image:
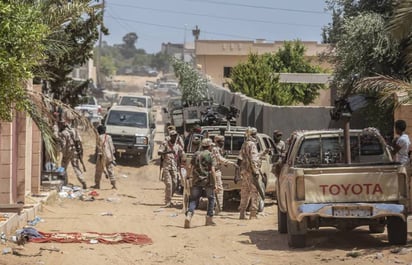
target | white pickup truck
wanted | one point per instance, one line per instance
(317, 188)
(90, 109)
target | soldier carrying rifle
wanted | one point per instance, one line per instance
(72, 149)
(172, 158)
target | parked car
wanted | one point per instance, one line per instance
(90, 109)
(132, 130)
(318, 188)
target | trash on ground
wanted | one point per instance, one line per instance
(106, 214)
(35, 221)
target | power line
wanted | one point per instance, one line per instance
(219, 17)
(180, 28)
(261, 7)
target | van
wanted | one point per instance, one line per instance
(132, 130)
(138, 101)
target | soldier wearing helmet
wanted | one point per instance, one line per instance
(203, 179)
(179, 139)
(218, 155)
(249, 163)
(71, 147)
(172, 158)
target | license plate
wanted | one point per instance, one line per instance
(121, 150)
(352, 211)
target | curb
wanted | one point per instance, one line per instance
(29, 212)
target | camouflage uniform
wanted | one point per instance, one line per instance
(203, 174)
(249, 167)
(281, 151)
(105, 159)
(172, 154)
(70, 154)
(217, 154)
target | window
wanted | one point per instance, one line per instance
(227, 71)
(127, 118)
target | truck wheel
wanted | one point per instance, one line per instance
(397, 231)
(376, 228)
(282, 222)
(296, 233)
(145, 159)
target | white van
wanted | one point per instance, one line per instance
(132, 130)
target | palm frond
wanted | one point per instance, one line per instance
(401, 22)
(387, 88)
(41, 111)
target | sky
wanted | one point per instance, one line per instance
(162, 21)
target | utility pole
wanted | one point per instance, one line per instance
(98, 55)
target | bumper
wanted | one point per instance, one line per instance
(130, 150)
(351, 210)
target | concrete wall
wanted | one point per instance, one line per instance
(266, 118)
(20, 158)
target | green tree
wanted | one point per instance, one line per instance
(192, 85)
(259, 76)
(22, 47)
(128, 48)
(362, 47)
(75, 30)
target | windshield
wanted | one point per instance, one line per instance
(133, 101)
(321, 150)
(127, 118)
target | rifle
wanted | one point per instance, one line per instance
(161, 168)
(80, 156)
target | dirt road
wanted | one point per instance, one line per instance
(136, 208)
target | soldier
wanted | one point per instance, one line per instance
(179, 139)
(249, 163)
(71, 147)
(172, 158)
(105, 159)
(203, 178)
(281, 151)
(217, 152)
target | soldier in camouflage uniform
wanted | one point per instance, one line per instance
(203, 178)
(218, 155)
(249, 163)
(172, 158)
(71, 148)
(105, 159)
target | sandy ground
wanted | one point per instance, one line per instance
(136, 208)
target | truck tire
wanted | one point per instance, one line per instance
(145, 159)
(282, 222)
(296, 233)
(397, 231)
(376, 228)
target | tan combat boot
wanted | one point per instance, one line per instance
(188, 219)
(113, 182)
(209, 221)
(242, 215)
(253, 215)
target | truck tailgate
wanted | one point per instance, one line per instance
(348, 184)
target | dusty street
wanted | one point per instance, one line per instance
(136, 208)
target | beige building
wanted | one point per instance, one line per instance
(217, 57)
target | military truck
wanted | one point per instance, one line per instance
(234, 138)
(317, 187)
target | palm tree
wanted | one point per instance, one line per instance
(400, 28)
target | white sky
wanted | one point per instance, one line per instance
(161, 21)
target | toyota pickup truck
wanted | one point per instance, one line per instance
(90, 109)
(318, 188)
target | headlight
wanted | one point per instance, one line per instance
(141, 140)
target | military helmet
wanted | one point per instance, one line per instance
(251, 131)
(219, 138)
(196, 140)
(206, 142)
(171, 127)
